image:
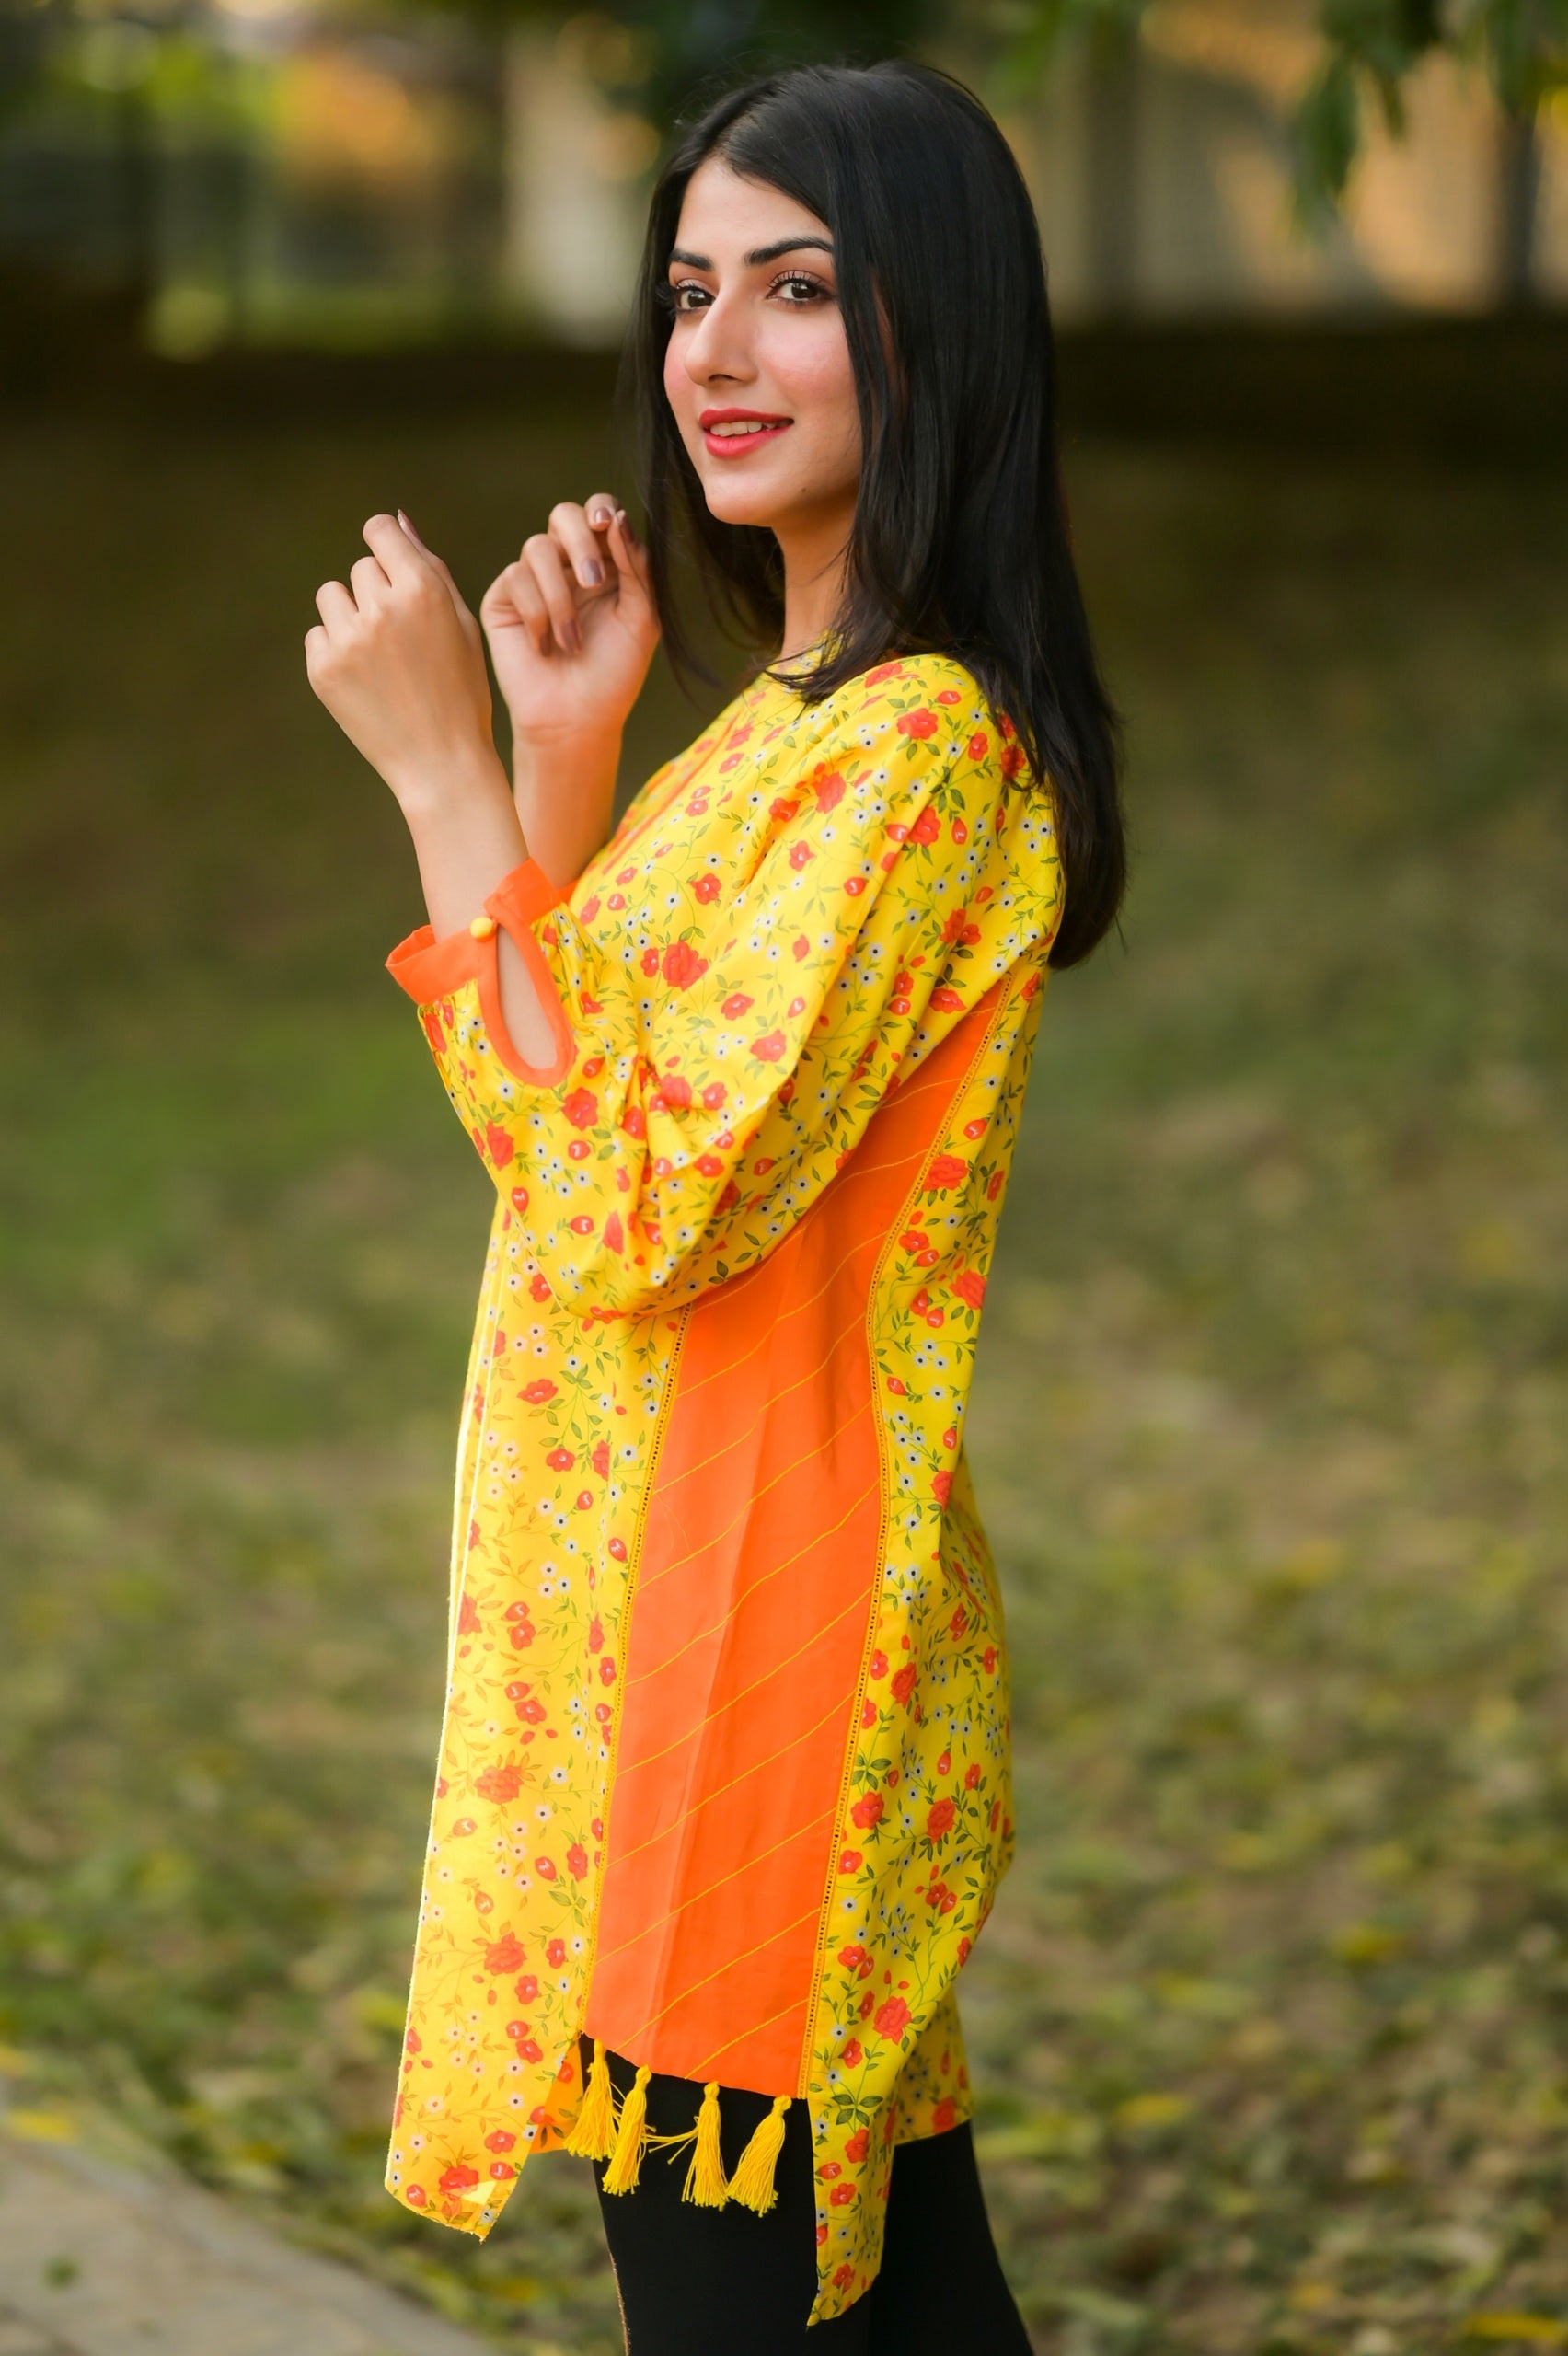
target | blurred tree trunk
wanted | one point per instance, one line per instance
(1112, 192)
(1518, 190)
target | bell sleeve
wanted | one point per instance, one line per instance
(719, 1050)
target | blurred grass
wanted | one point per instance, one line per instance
(1269, 2026)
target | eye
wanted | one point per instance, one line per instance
(684, 295)
(797, 289)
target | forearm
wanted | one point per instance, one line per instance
(565, 800)
(467, 838)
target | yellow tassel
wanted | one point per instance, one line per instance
(752, 2183)
(705, 2182)
(593, 2136)
(632, 2135)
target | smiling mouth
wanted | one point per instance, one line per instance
(728, 432)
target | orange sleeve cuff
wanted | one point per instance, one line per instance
(429, 969)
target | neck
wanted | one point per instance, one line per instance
(813, 550)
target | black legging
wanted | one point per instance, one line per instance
(727, 2282)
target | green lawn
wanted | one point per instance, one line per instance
(1271, 2024)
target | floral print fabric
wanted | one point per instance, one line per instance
(785, 925)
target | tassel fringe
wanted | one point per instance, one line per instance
(705, 2182)
(752, 2184)
(631, 2136)
(593, 2135)
(622, 2139)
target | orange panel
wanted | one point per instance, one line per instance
(749, 1626)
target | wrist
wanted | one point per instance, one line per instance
(432, 789)
(567, 754)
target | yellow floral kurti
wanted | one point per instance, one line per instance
(723, 1773)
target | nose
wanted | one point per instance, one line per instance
(716, 350)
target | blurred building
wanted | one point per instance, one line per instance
(304, 170)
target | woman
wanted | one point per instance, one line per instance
(723, 1783)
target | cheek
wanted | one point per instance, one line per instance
(810, 365)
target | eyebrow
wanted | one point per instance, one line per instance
(759, 254)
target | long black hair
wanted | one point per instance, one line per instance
(960, 540)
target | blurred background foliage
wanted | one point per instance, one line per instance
(1269, 2027)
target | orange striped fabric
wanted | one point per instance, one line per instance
(750, 1622)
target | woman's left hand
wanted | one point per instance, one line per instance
(398, 661)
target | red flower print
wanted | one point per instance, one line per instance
(577, 1861)
(651, 963)
(947, 1170)
(926, 828)
(709, 1165)
(958, 1623)
(904, 1681)
(617, 1548)
(988, 1660)
(560, 1460)
(433, 1030)
(801, 854)
(501, 2140)
(498, 1145)
(949, 695)
(600, 1460)
(538, 1287)
(675, 1090)
(683, 965)
(614, 1234)
(582, 1108)
(736, 1004)
(867, 1811)
(589, 908)
(1012, 761)
(555, 1954)
(946, 1000)
(970, 1287)
(501, 2173)
(468, 1621)
(877, 1666)
(596, 1635)
(944, 2116)
(972, 1777)
(944, 1763)
(939, 1818)
(921, 724)
(853, 2055)
(859, 2142)
(581, 1224)
(607, 1671)
(857, 1960)
(502, 1783)
(416, 2196)
(520, 1199)
(855, 885)
(961, 835)
(633, 1122)
(979, 745)
(706, 889)
(885, 671)
(840, 2198)
(891, 2019)
(535, 1393)
(828, 787)
(584, 1499)
(850, 1861)
(769, 1047)
(504, 1954)
(527, 1990)
(941, 1488)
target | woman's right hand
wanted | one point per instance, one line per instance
(572, 628)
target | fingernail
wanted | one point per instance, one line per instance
(590, 572)
(601, 519)
(571, 638)
(410, 526)
(623, 520)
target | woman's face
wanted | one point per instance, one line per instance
(758, 368)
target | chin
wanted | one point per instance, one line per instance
(741, 502)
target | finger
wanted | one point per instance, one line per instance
(512, 601)
(601, 509)
(439, 567)
(574, 535)
(543, 559)
(335, 606)
(397, 554)
(368, 581)
(630, 556)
